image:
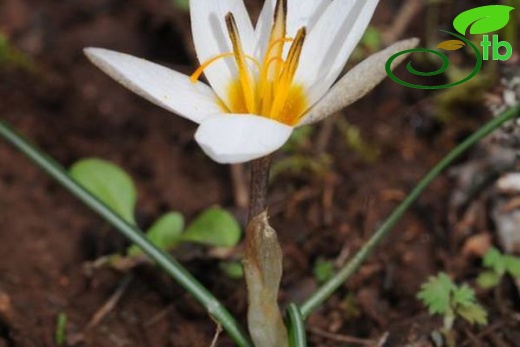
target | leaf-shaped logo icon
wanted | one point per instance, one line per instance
(483, 20)
(451, 45)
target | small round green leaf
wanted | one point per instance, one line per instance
(483, 19)
(372, 38)
(495, 260)
(109, 183)
(323, 270)
(165, 233)
(232, 269)
(214, 227)
(182, 4)
(488, 279)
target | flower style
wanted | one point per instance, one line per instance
(265, 80)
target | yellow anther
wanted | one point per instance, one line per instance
(293, 58)
(283, 83)
(273, 44)
(248, 87)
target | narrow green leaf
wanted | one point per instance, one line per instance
(296, 326)
(483, 20)
(4, 49)
(165, 233)
(326, 290)
(60, 336)
(214, 227)
(109, 183)
(172, 267)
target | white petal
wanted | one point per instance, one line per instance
(158, 84)
(300, 13)
(263, 27)
(331, 42)
(357, 82)
(211, 38)
(304, 13)
(237, 138)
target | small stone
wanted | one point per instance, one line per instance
(509, 183)
(477, 245)
(5, 304)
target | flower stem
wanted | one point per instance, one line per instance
(259, 182)
(344, 273)
(163, 259)
(263, 265)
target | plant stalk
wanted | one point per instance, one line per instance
(260, 169)
(263, 265)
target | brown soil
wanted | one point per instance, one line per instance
(72, 111)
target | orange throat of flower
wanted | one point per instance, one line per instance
(269, 90)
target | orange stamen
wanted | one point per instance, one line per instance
(196, 75)
(289, 70)
(243, 70)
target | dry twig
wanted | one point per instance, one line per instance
(407, 13)
(110, 304)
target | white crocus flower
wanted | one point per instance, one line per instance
(265, 81)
